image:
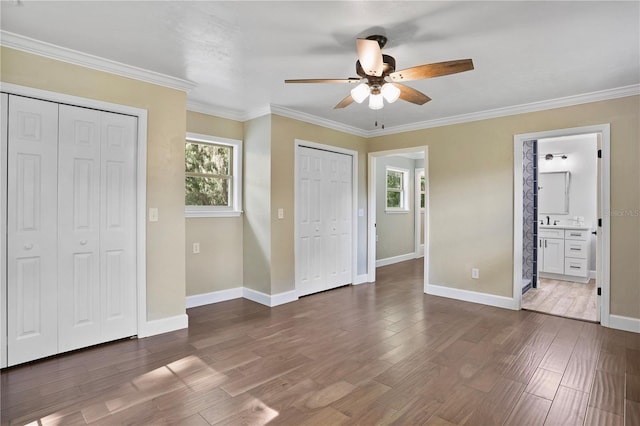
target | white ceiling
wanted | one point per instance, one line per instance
(238, 53)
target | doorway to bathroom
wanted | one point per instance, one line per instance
(563, 187)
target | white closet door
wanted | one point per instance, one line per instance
(309, 256)
(324, 215)
(32, 288)
(79, 231)
(337, 201)
(117, 226)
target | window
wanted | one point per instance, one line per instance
(397, 190)
(213, 176)
(422, 191)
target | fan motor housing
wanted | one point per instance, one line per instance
(389, 66)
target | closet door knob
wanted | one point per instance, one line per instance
(28, 246)
(83, 242)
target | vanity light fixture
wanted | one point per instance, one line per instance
(552, 156)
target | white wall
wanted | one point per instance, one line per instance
(582, 163)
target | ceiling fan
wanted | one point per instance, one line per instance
(379, 79)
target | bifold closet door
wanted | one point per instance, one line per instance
(324, 212)
(71, 248)
(96, 213)
(32, 227)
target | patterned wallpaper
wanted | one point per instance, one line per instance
(530, 212)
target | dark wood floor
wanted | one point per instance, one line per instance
(370, 354)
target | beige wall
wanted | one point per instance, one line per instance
(218, 266)
(257, 204)
(395, 231)
(284, 132)
(471, 200)
(165, 159)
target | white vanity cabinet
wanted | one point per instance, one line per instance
(563, 253)
(551, 250)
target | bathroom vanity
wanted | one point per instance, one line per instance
(563, 252)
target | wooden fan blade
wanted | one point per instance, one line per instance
(412, 95)
(325, 80)
(370, 56)
(432, 70)
(344, 103)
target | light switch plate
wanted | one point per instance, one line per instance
(153, 214)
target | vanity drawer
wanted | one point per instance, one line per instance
(572, 234)
(550, 233)
(575, 267)
(575, 249)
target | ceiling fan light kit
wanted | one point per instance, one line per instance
(360, 92)
(379, 79)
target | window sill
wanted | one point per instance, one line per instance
(212, 213)
(398, 211)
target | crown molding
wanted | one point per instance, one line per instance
(229, 114)
(313, 119)
(602, 95)
(41, 48)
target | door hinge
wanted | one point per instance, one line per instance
(600, 222)
(599, 291)
(599, 153)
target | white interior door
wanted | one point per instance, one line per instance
(324, 220)
(78, 227)
(309, 255)
(71, 239)
(337, 211)
(118, 227)
(32, 288)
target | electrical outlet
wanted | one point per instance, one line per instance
(475, 273)
(280, 213)
(376, 238)
(196, 248)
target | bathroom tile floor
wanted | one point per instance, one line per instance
(564, 298)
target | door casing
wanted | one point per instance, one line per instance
(603, 271)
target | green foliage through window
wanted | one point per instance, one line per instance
(395, 189)
(208, 174)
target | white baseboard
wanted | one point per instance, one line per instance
(395, 259)
(471, 296)
(267, 299)
(163, 325)
(213, 297)
(620, 322)
(361, 279)
(282, 298)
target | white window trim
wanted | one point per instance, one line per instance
(406, 208)
(236, 196)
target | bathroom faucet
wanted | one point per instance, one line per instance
(548, 223)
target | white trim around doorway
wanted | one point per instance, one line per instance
(371, 222)
(143, 326)
(603, 275)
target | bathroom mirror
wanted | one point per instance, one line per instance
(553, 193)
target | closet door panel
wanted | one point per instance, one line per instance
(79, 232)
(117, 224)
(32, 288)
(345, 219)
(309, 259)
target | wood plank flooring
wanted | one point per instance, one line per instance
(564, 298)
(366, 355)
